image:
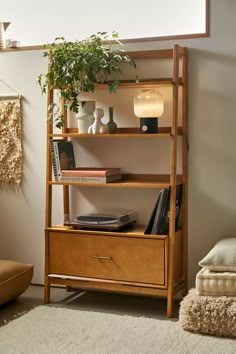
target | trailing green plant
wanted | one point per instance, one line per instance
(78, 66)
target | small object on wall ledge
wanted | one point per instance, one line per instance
(10, 139)
(12, 43)
(3, 28)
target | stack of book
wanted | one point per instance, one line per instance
(65, 170)
(92, 175)
(158, 223)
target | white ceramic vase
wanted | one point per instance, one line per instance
(98, 127)
(85, 116)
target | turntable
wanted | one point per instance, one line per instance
(109, 220)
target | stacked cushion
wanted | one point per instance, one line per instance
(211, 307)
(218, 275)
(216, 283)
(222, 257)
(15, 278)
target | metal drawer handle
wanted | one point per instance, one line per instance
(103, 257)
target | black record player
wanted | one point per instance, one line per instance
(110, 220)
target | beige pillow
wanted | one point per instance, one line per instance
(222, 256)
(15, 277)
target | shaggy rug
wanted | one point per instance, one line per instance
(49, 330)
(208, 314)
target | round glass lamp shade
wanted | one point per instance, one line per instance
(148, 103)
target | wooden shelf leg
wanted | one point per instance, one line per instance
(47, 291)
(170, 303)
(184, 292)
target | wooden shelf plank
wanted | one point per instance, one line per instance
(121, 133)
(152, 54)
(128, 181)
(136, 230)
(141, 83)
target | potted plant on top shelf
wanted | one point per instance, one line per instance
(76, 67)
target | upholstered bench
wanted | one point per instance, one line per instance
(15, 277)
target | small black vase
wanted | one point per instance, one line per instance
(112, 126)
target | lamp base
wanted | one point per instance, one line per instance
(148, 125)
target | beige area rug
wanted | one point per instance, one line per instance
(47, 329)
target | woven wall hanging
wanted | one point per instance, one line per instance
(10, 139)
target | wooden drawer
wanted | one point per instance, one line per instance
(107, 257)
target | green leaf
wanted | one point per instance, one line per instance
(76, 67)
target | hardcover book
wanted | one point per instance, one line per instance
(91, 179)
(62, 155)
(91, 171)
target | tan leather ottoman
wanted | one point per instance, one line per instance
(15, 277)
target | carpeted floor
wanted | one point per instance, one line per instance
(50, 329)
(88, 301)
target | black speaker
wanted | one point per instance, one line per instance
(148, 125)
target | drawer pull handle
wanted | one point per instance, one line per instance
(103, 257)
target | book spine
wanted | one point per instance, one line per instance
(55, 167)
(57, 158)
(90, 179)
(83, 179)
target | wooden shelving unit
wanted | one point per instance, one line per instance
(116, 261)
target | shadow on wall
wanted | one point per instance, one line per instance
(212, 154)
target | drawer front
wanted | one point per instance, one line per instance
(108, 257)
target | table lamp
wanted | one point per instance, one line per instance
(148, 106)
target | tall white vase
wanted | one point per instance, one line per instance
(3, 27)
(85, 116)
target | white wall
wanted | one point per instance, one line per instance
(42, 21)
(212, 162)
(22, 208)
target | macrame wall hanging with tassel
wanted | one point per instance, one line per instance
(10, 139)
